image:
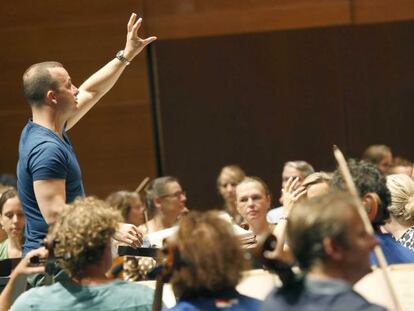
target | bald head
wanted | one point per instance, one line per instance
(37, 80)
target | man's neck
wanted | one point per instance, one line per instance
(48, 119)
(329, 273)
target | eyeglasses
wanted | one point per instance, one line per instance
(176, 195)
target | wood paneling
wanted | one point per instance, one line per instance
(172, 19)
(376, 11)
(262, 99)
(114, 142)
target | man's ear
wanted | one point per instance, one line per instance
(333, 250)
(371, 203)
(50, 97)
(157, 202)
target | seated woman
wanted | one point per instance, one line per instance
(166, 202)
(131, 268)
(401, 224)
(253, 202)
(129, 204)
(227, 181)
(211, 262)
(12, 221)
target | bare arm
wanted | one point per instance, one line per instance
(104, 79)
(21, 271)
(51, 197)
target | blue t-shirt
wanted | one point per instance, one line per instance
(43, 155)
(115, 295)
(229, 301)
(393, 251)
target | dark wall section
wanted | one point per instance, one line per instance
(262, 99)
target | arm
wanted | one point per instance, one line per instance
(104, 79)
(290, 196)
(21, 271)
(51, 197)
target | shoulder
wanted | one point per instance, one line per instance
(142, 293)
(31, 299)
(355, 301)
(3, 249)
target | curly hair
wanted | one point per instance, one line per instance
(401, 187)
(82, 232)
(311, 221)
(212, 256)
(367, 178)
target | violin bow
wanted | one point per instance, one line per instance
(144, 183)
(343, 168)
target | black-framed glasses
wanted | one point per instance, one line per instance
(176, 195)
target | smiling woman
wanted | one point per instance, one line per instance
(12, 220)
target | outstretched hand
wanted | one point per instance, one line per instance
(134, 44)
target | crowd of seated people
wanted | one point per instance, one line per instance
(318, 229)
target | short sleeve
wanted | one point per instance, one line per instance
(48, 161)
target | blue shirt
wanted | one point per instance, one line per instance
(393, 251)
(319, 295)
(115, 295)
(43, 155)
(225, 301)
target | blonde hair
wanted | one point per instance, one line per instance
(236, 172)
(82, 233)
(401, 187)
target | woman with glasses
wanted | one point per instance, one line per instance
(166, 202)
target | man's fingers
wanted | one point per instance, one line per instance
(137, 24)
(131, 21)
(149, 40)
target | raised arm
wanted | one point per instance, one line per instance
(104, 79)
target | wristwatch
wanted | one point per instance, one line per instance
(120, 56)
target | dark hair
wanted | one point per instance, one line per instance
(8, 194)
(368, 178)
(37, 80)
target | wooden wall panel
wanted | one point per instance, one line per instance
(171, 19)
(262, 99)
(256, 100)
(376, 11)
(114, 142)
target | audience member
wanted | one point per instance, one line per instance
(166, 202)
(82, 237)
(331, 246)
(293, 170)
(48, 172)
(253, 202)
(210, 262)
(12, 222)
(380, 156)
(372, 188)
(401, 224)
(130, 205)
(401, 166)
(316, 184)
(230, 176)
(131, 268)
